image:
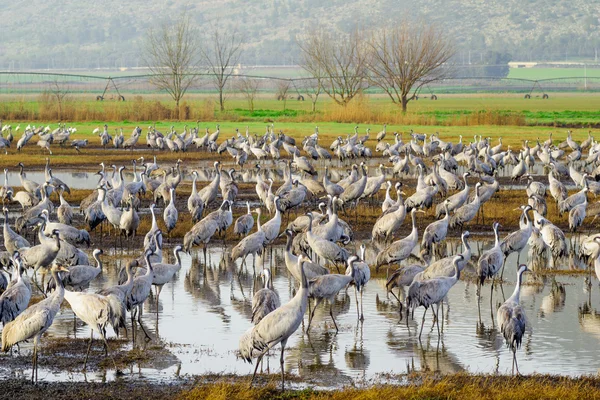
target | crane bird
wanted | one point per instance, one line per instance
(142, 285)
(467, 212)
(244, 224)
(324, 248)
(35, 321)
(326, 287)
(15, 299)
(400, 249)
(170, 213)
(491, 260)
(362, 274)
(516, 241)
(431, 292)
(276, 327)
(436, 231)
(512, 320)
(195, 204)
(95, 310)
(265, 300)
(252, 244)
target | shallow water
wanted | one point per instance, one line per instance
(206, 309)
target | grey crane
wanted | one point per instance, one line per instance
(388, 224)
(324, 248)
(436, 231)
(326, 287)
(15, 299)
(359, 269)
(153, 230)
(491, 260)
(79, 277)
(445, 266)
(400, 249)
(272, 227)
(431, 292)
(43, 254)
(512, 319)
(170, 214)
(374, 184)
(553, 237)
(400, 278)
(130, 220)
(195, 204)
(112, 213)
(64, 211)
(163, 273)
(142, 285)
(311, 269)
(95, 310)
(577, 215)
(251, 244)
(275, 328)
(244, 224)
(34, 321)
(117, 298)
(265, 300)
(209, 193)
(355, 190)
(578, 198)
(455, 201)
(516, 241)
(467, 212)
(201, 233)
(332, 189)
(29, 185)
(12, 240)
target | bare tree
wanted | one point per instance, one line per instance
(283, 87)
(221, 56)
(249, 87)
(405, 57)
(339, 61)
(59, 92)
(312, 87)
(171, 53)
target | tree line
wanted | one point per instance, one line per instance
(399, 60)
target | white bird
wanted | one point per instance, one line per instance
(35, 321)
(265, 300)
(275, 328)
(95, 310)
(512, 320)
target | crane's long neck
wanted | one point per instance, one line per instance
(248, 207)
(496, 237)
(258, 222)
(194, 191)
(154, 225)
(59, 293)
(178, 257)
(516, 293)
(466, 248)
(98, 262)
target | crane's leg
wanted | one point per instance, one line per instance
(258, 361)
(356, 298)
(281, 360)
(312, 315)
(333, 318)
(139, 318)
(87, 354)
(362, 315)
(34, 361)
(108, 354)
(422, 323)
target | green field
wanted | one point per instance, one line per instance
(552, 73)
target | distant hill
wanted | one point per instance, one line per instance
(109, 33)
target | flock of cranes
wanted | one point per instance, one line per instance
(320, 238)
